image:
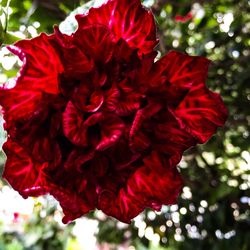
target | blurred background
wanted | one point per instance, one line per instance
(213, 209)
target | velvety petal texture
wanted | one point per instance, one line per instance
(95, 121)
(125, 19)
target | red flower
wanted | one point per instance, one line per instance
(95, 122)
(185, 18)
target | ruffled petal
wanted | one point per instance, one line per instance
(29, 178)
(47, 150)
(73, 205)
(96, 41)
(77, 158)
(129, 99)
(122, 157)
(73, 192)
(100, 130)
(128, 104)
(19, 105)
(182, 70)
(87, 100)
(201, 112)
(104, 130)
(111, 99)
(169, 138)
(175, 74)
(138, 141)
(73, 127)
(124, 53)
(23, 174)
(38, 77)
(112, 128)
(41, 65)
(75, 61)
(151, 185)
(126, 19)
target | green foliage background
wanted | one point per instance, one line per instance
(213, 210)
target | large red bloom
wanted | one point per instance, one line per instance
(95, 122)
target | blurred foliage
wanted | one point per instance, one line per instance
(213, 209)
(38, 232)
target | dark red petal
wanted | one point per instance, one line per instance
(122, 156)
(98, 78)
(26, 132)
(93, 119)
(170, 139)
(181, 69)
(111, 99)
(174, 74)
(126, 19)
(140, 142)
(73, 205)
(96, 41)
(128, 104)
(100, 165)
(109, 131)
(22, 173)
(68, 188)
(129, 99)
(19, 104)
(75, 191)
(55, 125)
(86, 99)
(74, 60)
(41, 65)
(77, 158)
(112, 128)
(151, 185)
(141, 116)
(47, 150)
(29, 179)
(123, 52)
(95, 102)
(73, 128)
(201, 112)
